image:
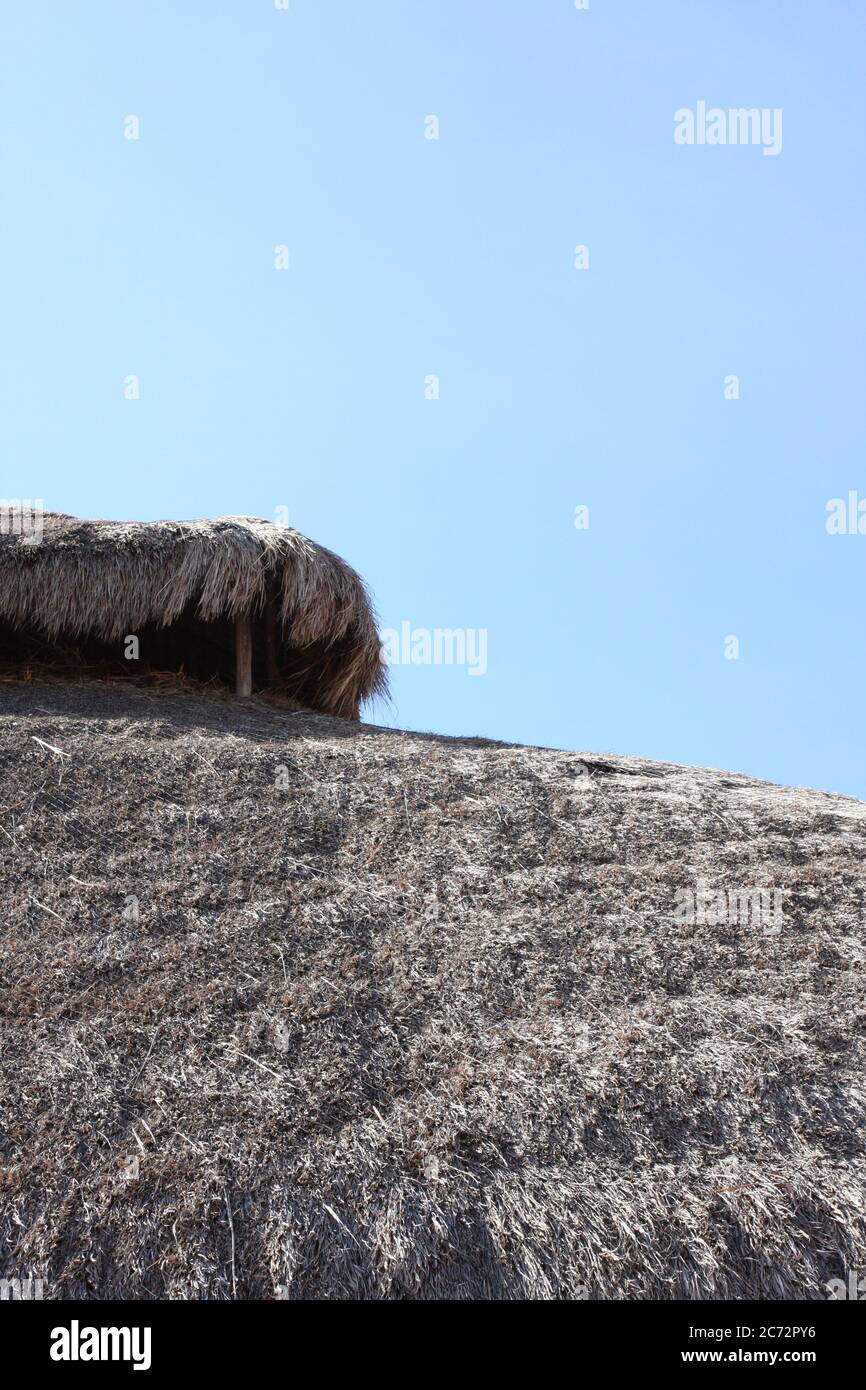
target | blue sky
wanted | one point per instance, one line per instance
(410, 257)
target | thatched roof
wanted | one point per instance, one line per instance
(404, 1016)
(111, 578)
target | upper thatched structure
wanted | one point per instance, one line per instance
(107, 579)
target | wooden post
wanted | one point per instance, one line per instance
(243, 655)
(273, 665)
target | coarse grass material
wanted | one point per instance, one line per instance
(295, 1007)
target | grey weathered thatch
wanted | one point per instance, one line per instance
(107, 579)
(294, 1007)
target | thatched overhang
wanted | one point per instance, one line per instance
(231, 600)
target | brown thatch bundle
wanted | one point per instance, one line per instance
(294, 1007)
(182, 586)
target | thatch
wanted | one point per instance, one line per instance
(407, 1017)
(108, 579)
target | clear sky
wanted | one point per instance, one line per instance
(409, 257)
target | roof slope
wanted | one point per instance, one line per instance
(404, 1016)
(110, 578)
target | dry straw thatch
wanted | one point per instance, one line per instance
(108, 579)
(410, 1017)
